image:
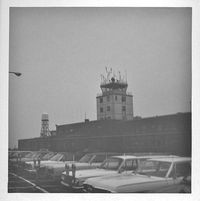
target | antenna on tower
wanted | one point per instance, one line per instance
(114, 75)
(119, 76)
(108, 74)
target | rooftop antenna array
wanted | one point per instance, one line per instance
(110, 74)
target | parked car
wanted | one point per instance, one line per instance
(113, 165)
(30, 165)
(19, 156)
(38, 165)
(161, 175)
(33, 156)
(13, 155)
(88, 161)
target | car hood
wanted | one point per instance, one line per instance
(26, 159)
(97, 172)
(62, 164)
(55, 165)
(60, 167)
(46, 163)
(118, 183)
(41, 162)
(80, 166)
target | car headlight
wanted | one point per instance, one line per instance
(88, 188)
(78, 182)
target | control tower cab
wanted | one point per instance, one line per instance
(114, 102)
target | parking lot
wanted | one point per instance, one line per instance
(98, 173)
(19, 182)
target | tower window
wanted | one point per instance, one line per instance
(101, 109)
(108, 98)
(123, 108)
(101, 100)
(123, 98)
(108, 108)
(115, 97)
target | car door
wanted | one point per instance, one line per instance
(178, 172)
(182, 170)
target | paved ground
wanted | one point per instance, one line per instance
(20, 181)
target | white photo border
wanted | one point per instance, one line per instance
(4, 63)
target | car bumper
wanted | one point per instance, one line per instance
(72, 187)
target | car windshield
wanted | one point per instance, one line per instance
(29, 155)
(23, 154)
(155, 168)
(48, 156)
(86, 158)
(37, 154)
(57, 157)
(111, 164)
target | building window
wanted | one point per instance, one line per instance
(123, 98)
(108, 108)
(108, 98)
(101, 100)
(101, 109)
(123, 108)
(116, 98)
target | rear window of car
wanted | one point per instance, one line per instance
(111, 164)
(48, 156)
(57, 157)
(86, 158)
(99, 158)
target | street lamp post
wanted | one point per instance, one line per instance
(16, 73)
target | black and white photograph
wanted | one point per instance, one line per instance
(100, 100)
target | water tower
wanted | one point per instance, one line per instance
(45, 125)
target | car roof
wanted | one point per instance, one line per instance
(102, 153)
(139, 157)
(172, 159)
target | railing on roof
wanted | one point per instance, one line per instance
(114, 92)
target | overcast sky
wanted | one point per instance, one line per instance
(61, 53)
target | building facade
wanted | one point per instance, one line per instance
(169, 134)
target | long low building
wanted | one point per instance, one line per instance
(168, 133)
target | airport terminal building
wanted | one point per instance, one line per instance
(168, 133)
(116, 129)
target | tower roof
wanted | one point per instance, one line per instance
(114, 84)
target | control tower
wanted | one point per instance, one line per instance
(114, 102)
